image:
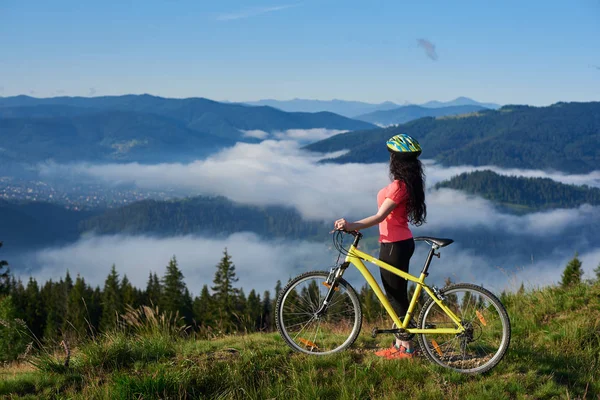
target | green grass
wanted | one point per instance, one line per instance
(554, 353)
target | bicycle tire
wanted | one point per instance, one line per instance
(286, 318)
(480, 322)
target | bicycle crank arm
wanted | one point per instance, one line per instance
(377, 331)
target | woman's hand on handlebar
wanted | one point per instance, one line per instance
(343, 225)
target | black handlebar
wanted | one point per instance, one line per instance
(353, 233)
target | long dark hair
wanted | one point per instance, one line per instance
(409, 170)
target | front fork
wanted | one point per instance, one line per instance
(335, 274)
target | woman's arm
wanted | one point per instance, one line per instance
(386, 208)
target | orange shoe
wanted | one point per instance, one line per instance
(401, 353)
(387, 352)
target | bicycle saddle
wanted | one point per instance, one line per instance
(438, 241)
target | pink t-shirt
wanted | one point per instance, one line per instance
(395, 227)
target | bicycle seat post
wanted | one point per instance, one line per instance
(432, 253)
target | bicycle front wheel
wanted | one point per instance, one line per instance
(308, 332)
(487, 329)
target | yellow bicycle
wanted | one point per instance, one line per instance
(463, 327)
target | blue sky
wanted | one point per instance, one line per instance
(534, 52)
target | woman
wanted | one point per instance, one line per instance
(400, 202)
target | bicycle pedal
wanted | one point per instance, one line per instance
(374, 332)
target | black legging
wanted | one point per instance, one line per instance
(398, 255)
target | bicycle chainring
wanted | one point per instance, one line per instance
(404, 336)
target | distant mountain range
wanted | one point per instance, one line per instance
(139, 127)
(342, 107)
(563, 137)
(353, 109)
(408, 113)
(460, 101)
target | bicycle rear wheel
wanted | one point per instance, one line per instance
(487, 330)
(305, 331)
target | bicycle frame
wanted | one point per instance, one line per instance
(355, 258)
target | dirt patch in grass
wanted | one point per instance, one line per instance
(15, 368)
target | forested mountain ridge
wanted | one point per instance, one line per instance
(103, 136)
(531, 194)
(346, 108)
(408, 113)
(353, 109)
(563, 137)
(459, 101)
(214, 215)
(35, 224)
(221, 119)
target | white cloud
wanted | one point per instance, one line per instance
(449, 208)
(305, 136)
(438, 173)
(269, 173)
(256, 133)
(279, 173)
(252, 12)
(500, 274)
(259, 264)
(300, 136)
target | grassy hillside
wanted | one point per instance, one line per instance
(563, 137)
(555, 353)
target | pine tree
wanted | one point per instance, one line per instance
(224, 292)
(204, 308)
(34, 311)
(3, 276)
(94, 309)
(253, 311)
(67, 284)
(267, 315)
(175, 296)
(240, 309)
(54, 309)
(277, 289)
(153, 290)
(128, 293)
(76, 316)
(597, 272)
(13, 338)
(572, 273)
(112, 303)
(188, 309)
(17, 293)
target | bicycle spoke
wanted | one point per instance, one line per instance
(485, 330)
(309, 321)
(335, 328)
